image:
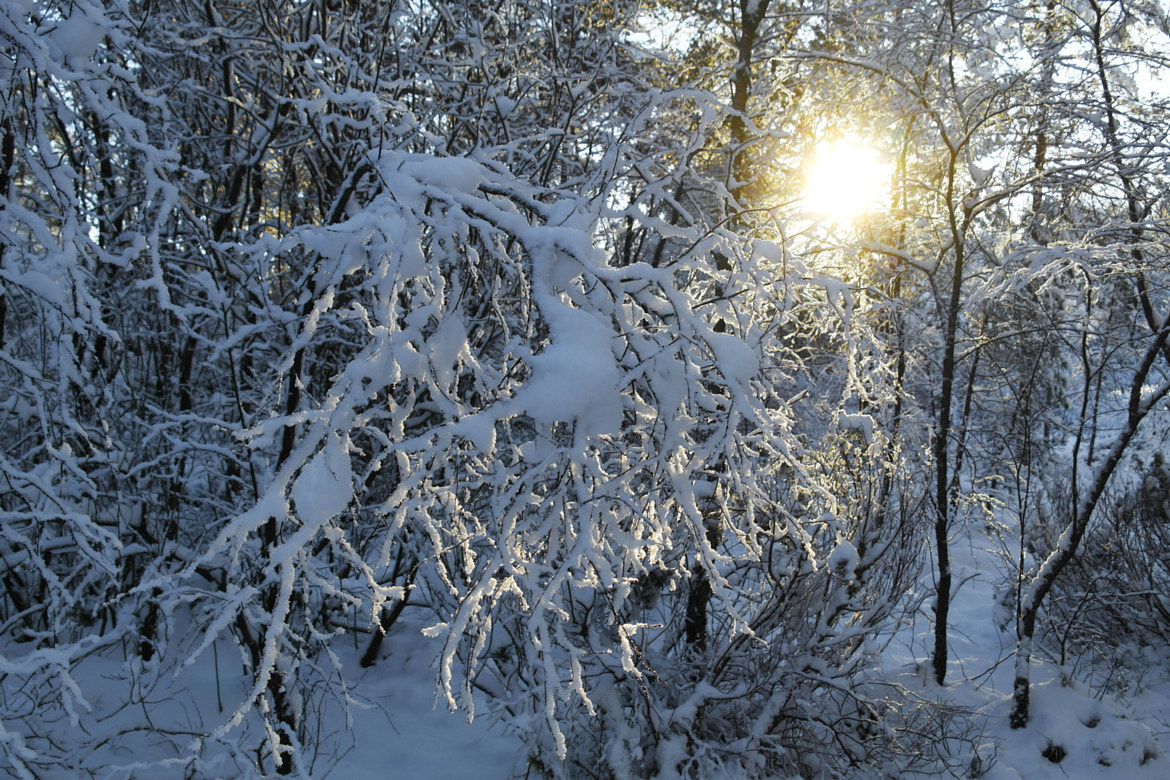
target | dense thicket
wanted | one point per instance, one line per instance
(507, 314)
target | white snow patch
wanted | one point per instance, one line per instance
(737, 362)
(505, 105)
(862, 423)
(450, 174)
(844, 560)
(78, 35)
(324, 486)
(576, 378)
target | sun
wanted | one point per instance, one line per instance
(844, 181)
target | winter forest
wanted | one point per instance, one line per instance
(711, 388)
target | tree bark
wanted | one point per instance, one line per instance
(941, 449)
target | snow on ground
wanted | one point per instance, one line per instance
(410, 735)
(1075, 732)
(395, 730)
(404, 732)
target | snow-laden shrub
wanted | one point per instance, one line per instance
(815, 567)
(1109, 617)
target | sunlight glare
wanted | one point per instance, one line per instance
(846, 180)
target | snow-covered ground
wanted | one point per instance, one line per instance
(411, 735)
(398, 729)
(1076, 732)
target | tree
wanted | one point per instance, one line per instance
(1121, 222)
(83, 186)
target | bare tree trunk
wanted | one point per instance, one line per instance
(942, 436)
(8, 156)
(751, 17)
